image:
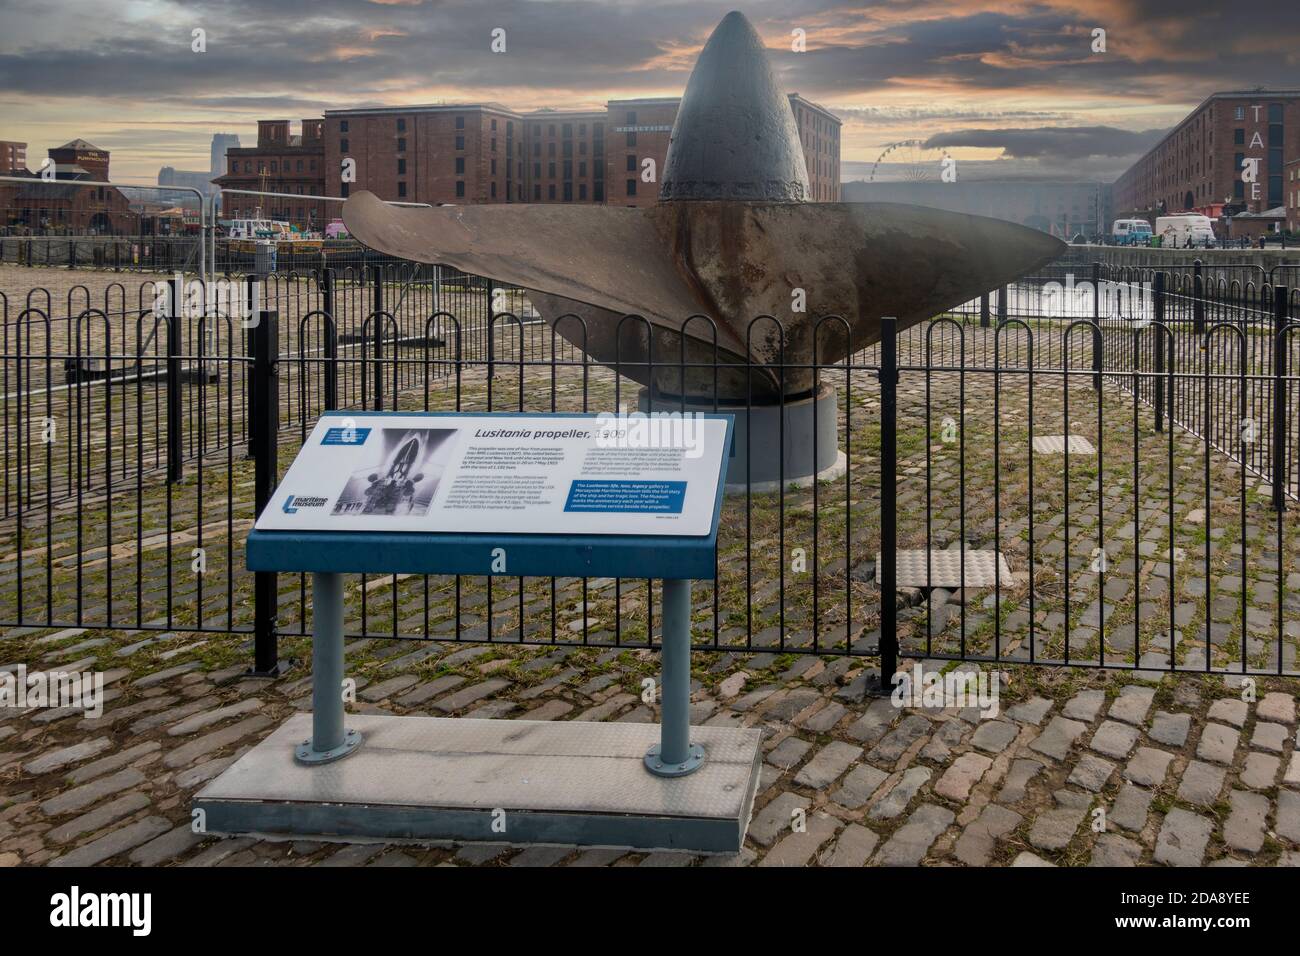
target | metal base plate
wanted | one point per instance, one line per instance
(502, 781)
(693, 762)
(304, 753)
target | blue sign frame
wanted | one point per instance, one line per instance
(672, 557)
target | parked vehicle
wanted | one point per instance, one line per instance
(1185, 230)
(1131, 232)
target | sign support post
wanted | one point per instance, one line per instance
(330, 740)
(675, 755)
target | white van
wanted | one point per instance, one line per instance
(1131, 232)
(1185, 230)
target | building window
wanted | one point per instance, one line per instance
(631, 118)
(460, 122)
(550, 149)
(313, 165)
(537, 148)
(494, 126)
(401, 144)
(460, 187)
(300, 165)
(567, 130)
(631, 162)
(537, 170)
(401, 126)
(631, 139)
(273, 166)
(401, 190)
(494, 167)
(401, 167)
(550, 170)
(343, 146)
(568, 147)
(494, 190)
(537, 192)
(550, 191)
(550, 130)
(568, 169)
(460, 165)
(1239, 113)
(568, 192)
(343, 126)
(631, 187)
(460, 142)
(1239, 136)
(598, 192)
(582, 147)
(582, 191)
(582, 170)
(344, 189)
(494, 144)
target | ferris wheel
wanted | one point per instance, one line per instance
(910, 161)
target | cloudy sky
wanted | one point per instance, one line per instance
(1010, 87)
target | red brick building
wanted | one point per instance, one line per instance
(73, 203)
(639, 130)
(483, 153)
(819, 131)
(565, 157)
(279, 163)
(13, 158)
(1200, 161)
(433, 154)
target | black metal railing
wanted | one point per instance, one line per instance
(140, 447)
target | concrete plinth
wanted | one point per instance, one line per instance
(756, 457)
(463, 779)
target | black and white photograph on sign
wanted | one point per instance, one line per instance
(401, 479)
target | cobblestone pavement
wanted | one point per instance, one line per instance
(1184, 771)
